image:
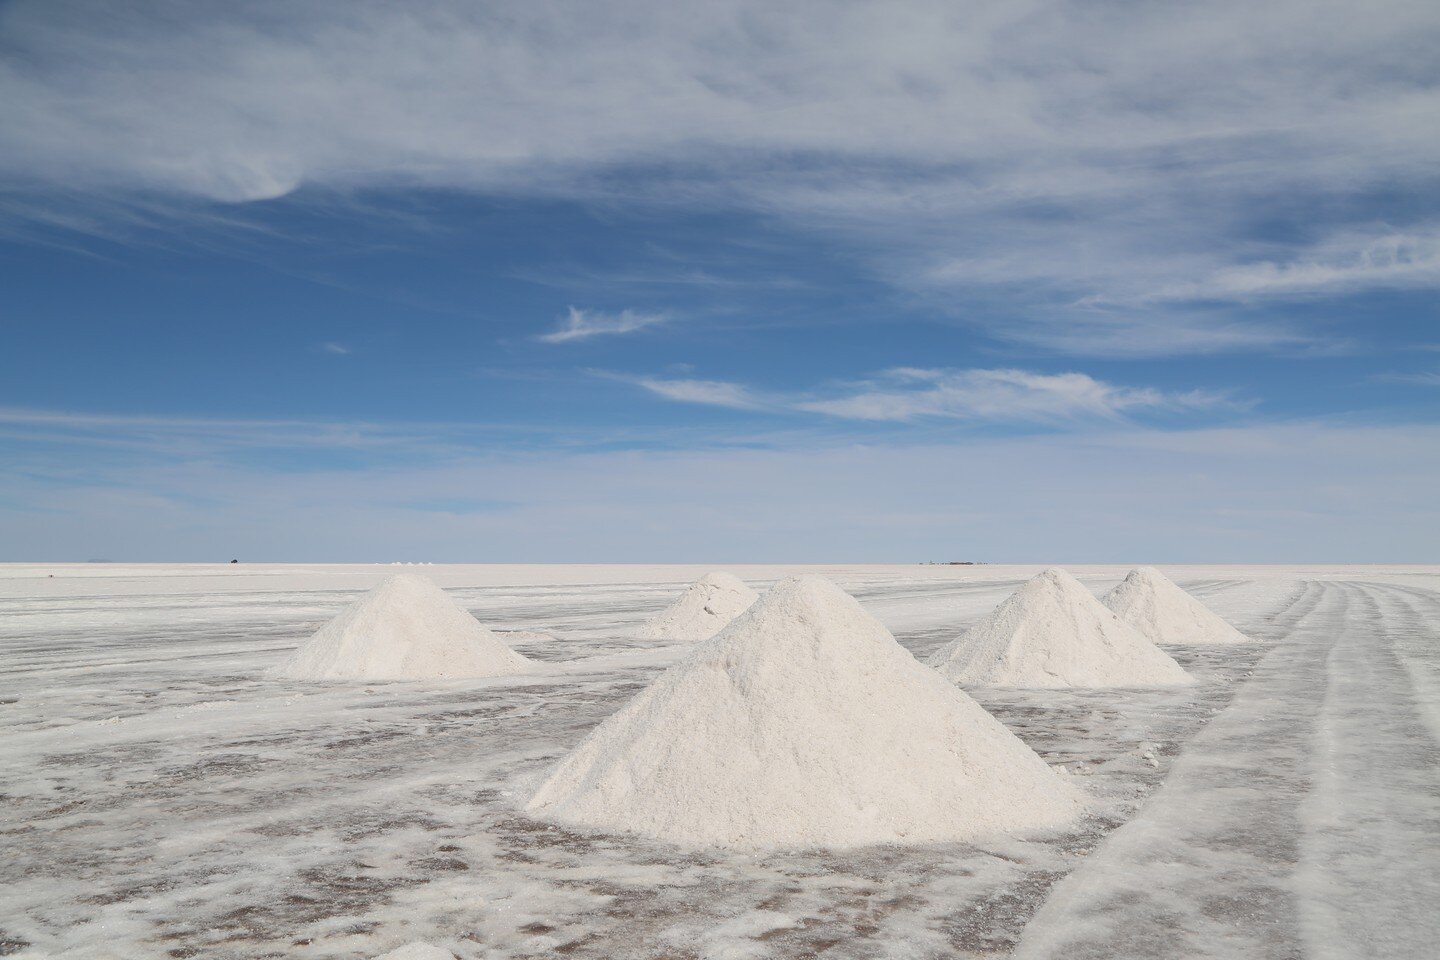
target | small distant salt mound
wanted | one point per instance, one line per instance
(419, 950)
(404, 629)
(804, 724)
(705, 608)
(1151, 603)
(1052, 632)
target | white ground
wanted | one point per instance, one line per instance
(157, 798)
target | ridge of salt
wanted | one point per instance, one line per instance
(705, 608)
(404, 628)
(1156, 606)
(1053, 633)
(802, 724)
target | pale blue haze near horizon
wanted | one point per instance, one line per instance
(722, 282)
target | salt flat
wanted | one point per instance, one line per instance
(161, 799)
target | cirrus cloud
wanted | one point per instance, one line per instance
(906, 394)
(584, 324)
(1072, 167)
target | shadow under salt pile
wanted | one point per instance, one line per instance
(1053, 633)
(804, 724)
(406, 628)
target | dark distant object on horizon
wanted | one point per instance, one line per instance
(234, 561)
(954, 563)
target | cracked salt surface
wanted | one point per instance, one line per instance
(160, 800)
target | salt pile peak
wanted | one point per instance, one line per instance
(406, 628)
(703, 610)
(804, 724)
(1052, 632)
(1153, 604)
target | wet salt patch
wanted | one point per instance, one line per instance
(333, 825)
(745, 936)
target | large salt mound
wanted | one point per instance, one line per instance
(1151, 603)
(804, 724)
(705, 608)
(404, 629)
(1052, 632)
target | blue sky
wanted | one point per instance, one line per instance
(547, 281)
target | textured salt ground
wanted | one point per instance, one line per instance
(169, 804)
(1304, 822)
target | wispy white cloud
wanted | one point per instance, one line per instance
(216, 434)
(1000, 395)
(1127, 334)
(338, 349)
(712, 393)
(1426, 378)
(583, 324)
(1340, 264)
(908, 394)
(250, 105)
(1033, 155)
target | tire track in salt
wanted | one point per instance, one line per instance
(1206, 588)
(1418, 646)
(1369, 877)
(1206, 869)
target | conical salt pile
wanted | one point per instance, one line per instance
(705, 608)
(804, 724)
(1151, 603)
(404, 629)
(1052, 632)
